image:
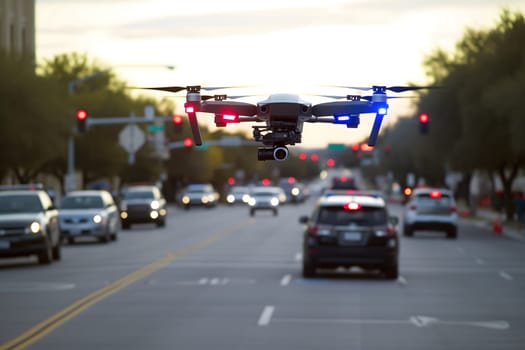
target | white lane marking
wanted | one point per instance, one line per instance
(266, 316)
(203, 281)
(225, 281)
(18, 287)
(214, 281)
(480, 261)
(402, 281)
(506, 276)
(417, 321)
(298, 257)
(286, 280)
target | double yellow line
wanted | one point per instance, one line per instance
(47, 326)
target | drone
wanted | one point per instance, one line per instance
(283, 115)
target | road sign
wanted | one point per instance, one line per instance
(131, 138)
(155, 127)
(336, 146)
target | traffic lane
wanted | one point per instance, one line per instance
(255, 234)
(32, 293)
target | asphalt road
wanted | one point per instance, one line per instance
(218, 279)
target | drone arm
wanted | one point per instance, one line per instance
(225, 107)
(342, 107)
(192, 117)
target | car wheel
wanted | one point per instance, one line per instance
(126, 225)
(70, 240)
(186, 207)
(275, 213)
(46, 256)
(114, 236)
(57, 254)
(161, 223)
(252, 212)
(308, 269)
(452, 233)
(408, 231)
(392, 270)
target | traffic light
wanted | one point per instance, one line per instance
(423, 123)
(177, 123)
(188, 142)
(81, 120)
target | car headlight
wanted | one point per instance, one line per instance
(97, 219)
(35, 227)
(274, 201)
(252, 202)
(154, 214)
(186, 200)
(124, 215)
(205, 199)
(155, 205)
(245, 198)
(230, 198)
(295, 191)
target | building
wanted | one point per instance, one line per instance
(17, 27)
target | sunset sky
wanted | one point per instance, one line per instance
(284, 45)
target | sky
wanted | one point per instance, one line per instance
(290, 46)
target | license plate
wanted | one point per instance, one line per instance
(352, 236)
(5, 244)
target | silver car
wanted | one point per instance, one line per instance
(88, 213)
(265, 198)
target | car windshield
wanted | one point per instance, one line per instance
(342, 217)
(82, 202)
(138, 195)
(29, 203)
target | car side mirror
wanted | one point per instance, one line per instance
(304, 219)
(394, 220)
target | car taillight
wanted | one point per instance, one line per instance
(453, 209)
(312, 229)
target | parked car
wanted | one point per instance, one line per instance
(199, 194)
(350, 230)
(142, 204)
(88, 213)
(29, 225)
(265, 198)
(431, 209)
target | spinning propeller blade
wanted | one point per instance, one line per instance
(390, 88)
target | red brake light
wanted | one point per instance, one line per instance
(435, 194)
(352, 206)
(81, 114)
(312, 230)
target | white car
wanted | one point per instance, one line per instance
(432, 209)
(88, 213)
(265, 198)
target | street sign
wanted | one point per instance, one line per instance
(336, 146)
(155, 128)
(131, 138)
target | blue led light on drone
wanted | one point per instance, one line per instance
(382, 110)
(342, 119)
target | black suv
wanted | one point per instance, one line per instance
(348, 230)
(29, 225)
(142, 204)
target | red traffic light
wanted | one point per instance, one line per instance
(177, 119)
(355, 147)
(314, 157)
(82, 114)
(330, 162)
(423, 118)
(188, 142)
(231, 181)
(303, 156)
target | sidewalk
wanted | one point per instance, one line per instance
(488, 218)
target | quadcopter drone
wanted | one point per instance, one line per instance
(284, 115)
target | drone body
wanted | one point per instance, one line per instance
(283, 115)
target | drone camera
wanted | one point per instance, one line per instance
(279, 153)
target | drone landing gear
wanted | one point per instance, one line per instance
(279, 153)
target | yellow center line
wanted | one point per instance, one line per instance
(50, 324)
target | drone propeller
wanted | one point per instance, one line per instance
(390, 88)
(191, 88)
(222, 97)
(357, 97)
